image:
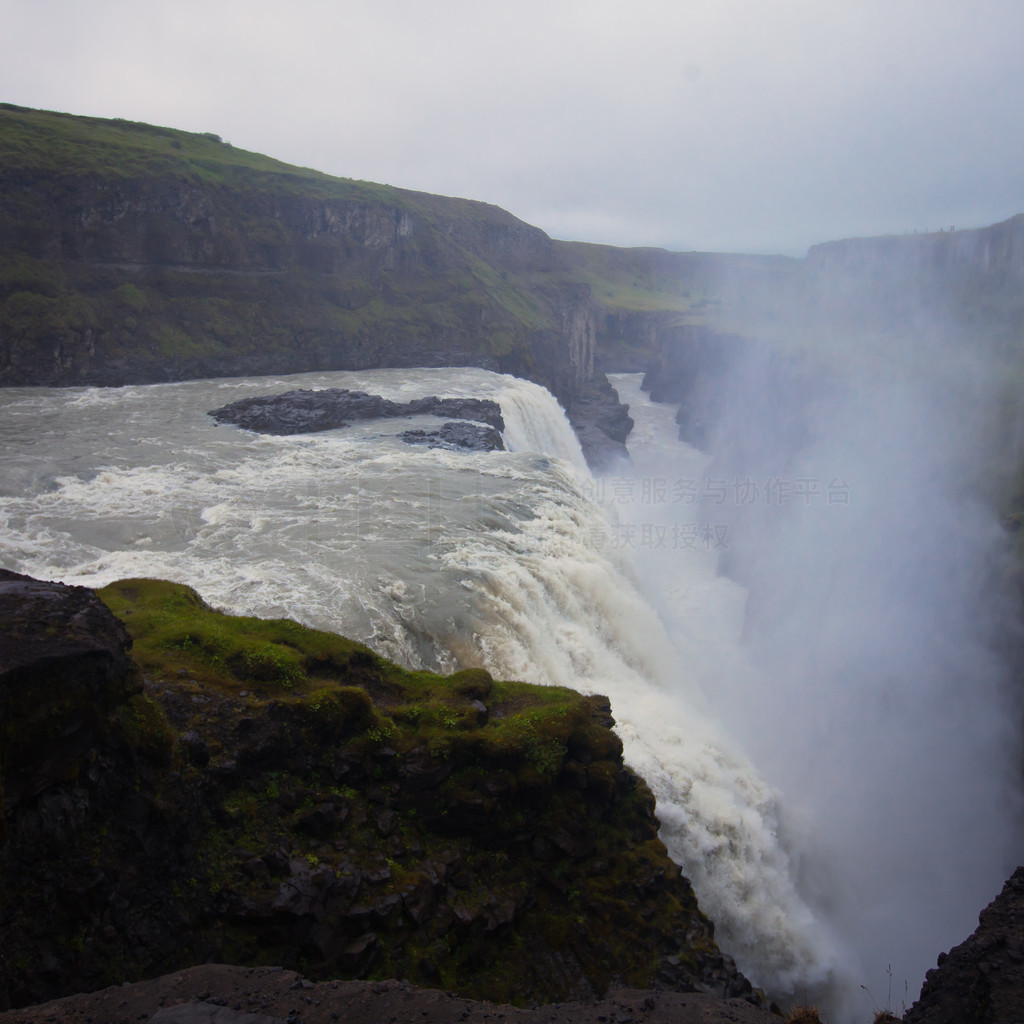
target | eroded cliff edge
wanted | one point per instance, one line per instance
(235, 790)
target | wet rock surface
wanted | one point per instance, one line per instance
(64, 663)
(471, 437)
(693, 367)
(306, 411)
(601, 422)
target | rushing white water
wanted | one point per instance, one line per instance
(871, 674)
(442, 559)
(337, 529)
(517, 561)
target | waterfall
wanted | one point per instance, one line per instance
(535, 422)
(518, 561)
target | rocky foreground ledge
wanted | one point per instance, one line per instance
(180, 789)
(218, 994)
(183, 787)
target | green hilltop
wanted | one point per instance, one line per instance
(129, 252)
(133, 253)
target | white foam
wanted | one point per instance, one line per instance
(553, 609)
(434, 558)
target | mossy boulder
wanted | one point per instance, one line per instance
(281, 795)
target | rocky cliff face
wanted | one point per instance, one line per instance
(957, 285)
(981, 981)
(994, 250)
(142, 221)
(650, 305)
(760, 327)
(259, 793)
(153, 280)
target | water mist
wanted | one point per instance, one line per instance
(851, 656)
(872, 680)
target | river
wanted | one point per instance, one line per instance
(517, 561)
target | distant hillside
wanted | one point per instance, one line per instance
(132, 253)
(129, 252)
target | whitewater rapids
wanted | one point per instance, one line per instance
(516, 561)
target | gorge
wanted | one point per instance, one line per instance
(822, 589)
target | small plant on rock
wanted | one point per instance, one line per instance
(804, 1015)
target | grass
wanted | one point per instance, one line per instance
(339, 681)
(804, 1015)
(117, 149)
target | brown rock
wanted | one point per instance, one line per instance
(981, 981)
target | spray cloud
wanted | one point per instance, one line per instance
(857, 459)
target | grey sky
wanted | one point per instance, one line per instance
(750, 125)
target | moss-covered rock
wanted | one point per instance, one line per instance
(280, 795)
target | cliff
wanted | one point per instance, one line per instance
(131, 253)
(182, 786)
(134, 254)
(696, 323)
(981, 980)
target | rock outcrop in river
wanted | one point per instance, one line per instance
(307, 411)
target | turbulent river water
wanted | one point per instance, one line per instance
(517, 561)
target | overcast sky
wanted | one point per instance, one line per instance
(730, 125)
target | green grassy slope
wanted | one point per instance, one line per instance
(131, 252)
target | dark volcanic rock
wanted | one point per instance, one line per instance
(305, 411)
(202, 1012)
(63, 666)
(600, 451)
(693, 366)
(981, 981)
(306, 803)
(237, 995)
(471, 437)
(602, 424)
